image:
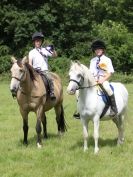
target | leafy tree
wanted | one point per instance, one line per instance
(70, 25)
(119, 43)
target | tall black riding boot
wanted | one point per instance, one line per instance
(114, 110)
(51, 85)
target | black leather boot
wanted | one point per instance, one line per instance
(114, 110)
(51, 85)
(76, 115)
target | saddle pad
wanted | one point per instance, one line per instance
(103, 95)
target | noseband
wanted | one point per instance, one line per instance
(79, 84)
(16, 78)
(19, 79)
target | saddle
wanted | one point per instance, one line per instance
(45, 81)
(102, 93)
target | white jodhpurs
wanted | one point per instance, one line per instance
(107, 88)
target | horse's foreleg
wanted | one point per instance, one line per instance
(96, 133)
(25, 130)
(44, 122)
(85, 133)
(120, 125)
(25, 125)
(38, 126)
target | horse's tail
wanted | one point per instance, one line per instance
(62, 122)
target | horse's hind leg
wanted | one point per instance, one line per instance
(60, 118)
(44, 123)
(120, 125)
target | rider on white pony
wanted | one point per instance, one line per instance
(101, 67)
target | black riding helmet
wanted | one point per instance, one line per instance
(37, 35)
(98, 44)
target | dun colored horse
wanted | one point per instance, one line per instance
(30, 90)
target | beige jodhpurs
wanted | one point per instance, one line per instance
(107, 88)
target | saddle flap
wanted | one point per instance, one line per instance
(103, 94)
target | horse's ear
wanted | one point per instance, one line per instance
(25, 60)
(13, 59)
(78, 62)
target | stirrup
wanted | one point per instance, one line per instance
(76, 115)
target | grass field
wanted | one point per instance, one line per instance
(61, 157)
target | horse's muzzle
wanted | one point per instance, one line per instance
(14, 93)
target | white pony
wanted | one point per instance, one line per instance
(90, 105)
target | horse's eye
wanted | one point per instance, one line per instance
(21, 70)
(79, 75)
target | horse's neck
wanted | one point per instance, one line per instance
(35, 87)
(88, 77)
(89, 90)
(27, 85)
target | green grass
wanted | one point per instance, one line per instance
(61, 157)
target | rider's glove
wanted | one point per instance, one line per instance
(51, 47)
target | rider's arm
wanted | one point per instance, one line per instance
(30, 59)
(105, 78)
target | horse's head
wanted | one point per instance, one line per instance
(76, 77)
(18, 74)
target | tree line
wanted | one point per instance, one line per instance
(70, 25)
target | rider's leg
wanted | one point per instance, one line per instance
(51, 86)
(110, 93)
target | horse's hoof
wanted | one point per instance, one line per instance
(25, 143)
(45, 137)
(96, 151)
(120, 141)
(39, 145)
(85, 149)
(60, 133)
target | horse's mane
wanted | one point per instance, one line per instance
(79, 65)
(29, 68)
(31, 71)
(82, 68)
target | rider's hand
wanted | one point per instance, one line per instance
(51, 47)
(100, 81)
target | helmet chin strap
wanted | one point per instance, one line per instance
(99, 55)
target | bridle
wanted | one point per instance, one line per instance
(79, 84)
(21, 78)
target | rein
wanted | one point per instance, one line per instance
(78, 83)
(87, 86)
